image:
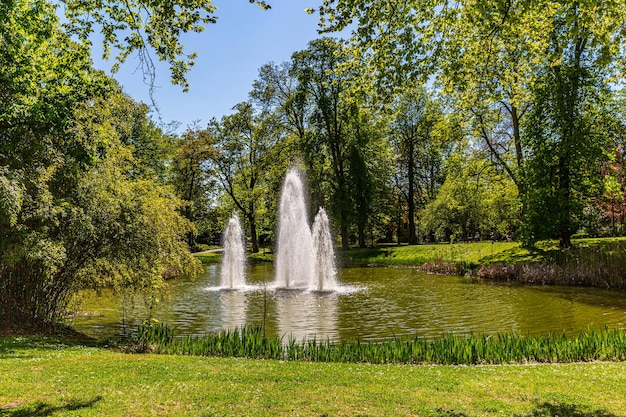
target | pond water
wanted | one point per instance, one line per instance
(376, 303)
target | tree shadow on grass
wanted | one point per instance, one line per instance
(58, 337)
(41, 409)
(568, 410)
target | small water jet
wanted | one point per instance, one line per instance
(325, 269)
(234, 257)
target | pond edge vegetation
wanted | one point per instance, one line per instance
(506, 348)
(590, 262)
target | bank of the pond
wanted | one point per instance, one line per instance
(48, 378)
(597, 262)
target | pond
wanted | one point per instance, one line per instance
(374, 304)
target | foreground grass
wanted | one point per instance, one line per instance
(43, 378)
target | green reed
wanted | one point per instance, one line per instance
(250, 342)
(594, 264)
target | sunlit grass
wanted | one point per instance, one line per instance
(209, 257)
(56, 380)
(468, 253)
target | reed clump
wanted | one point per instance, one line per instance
(594, 266)
(250, 342)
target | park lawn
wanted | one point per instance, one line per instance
(471, 254)
(468, 255)
(209, 257)
(43, 378)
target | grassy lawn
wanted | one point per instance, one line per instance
(209, 257)
(470, 255)
(46, 379)
(473, 254)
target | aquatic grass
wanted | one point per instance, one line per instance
(591, 262)
(507, 348)
(595, 262)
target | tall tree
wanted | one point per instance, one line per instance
(73, 216)
(421, 145)
(567, 144)
(247, 146)
(316, 69)
(192, 177)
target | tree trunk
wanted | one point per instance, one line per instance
(361, 228)
(253, 235)
(345, 244)
(411, 196)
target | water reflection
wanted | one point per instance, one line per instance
(233, 309)
(307, 315)
(391, 301)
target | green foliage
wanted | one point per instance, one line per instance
(566, 141)
(341, 139)
(419, 153)
(79, 212)
(193, 180)
(250, 149)
(494, 61)
(474, 199)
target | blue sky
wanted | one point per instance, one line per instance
(229, 56)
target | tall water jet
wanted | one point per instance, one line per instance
(325, 269)
(295, 255)
(234, 258)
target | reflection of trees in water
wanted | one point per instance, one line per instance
(307, 315)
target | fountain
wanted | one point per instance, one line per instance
(234, 258)
(325, 270)
(305, 259)
(295, 257)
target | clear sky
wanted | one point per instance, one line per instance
(229, 56)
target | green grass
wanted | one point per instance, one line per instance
(597, 262)
(209, 258)
(39, 378)
(265, 254)
(416, 255)
(476, 253)
(250, 342)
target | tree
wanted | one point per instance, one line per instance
(192, 177)
(369, 176)
(474, 200)
(141, 26)
(421, 144)
(72, 216)
(247, 146)
(567, 144)
(319, 82)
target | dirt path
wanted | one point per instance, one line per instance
(209, 251)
